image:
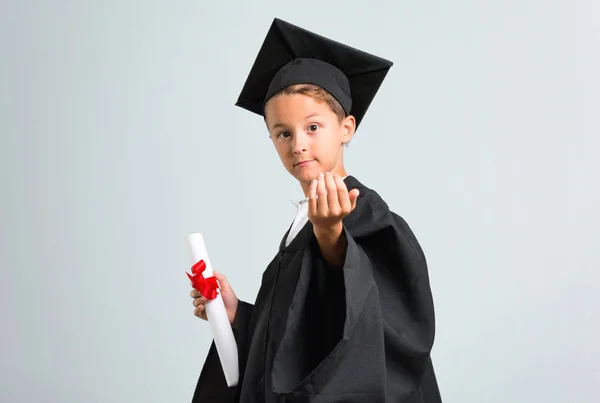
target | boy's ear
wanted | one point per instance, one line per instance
(349, 126)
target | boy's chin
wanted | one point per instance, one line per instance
(306, 174)
(305, 177)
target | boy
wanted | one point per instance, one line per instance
(344, 312)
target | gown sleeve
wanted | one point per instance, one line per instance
(379, 351)
(211, 385)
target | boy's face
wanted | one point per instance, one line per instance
(307, 135)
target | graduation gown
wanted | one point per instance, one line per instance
(319, 334)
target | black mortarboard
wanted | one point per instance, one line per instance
(292, 55)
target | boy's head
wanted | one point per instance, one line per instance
(313, 93)
(308, 127)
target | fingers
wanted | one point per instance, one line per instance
(200, 312)
(342, 194)
(199, 308)
(312, 197)
(223, 283)
(322, 208)
(197, 296)
(353, 196)
(333, 204)
(329, 198)
(198, 303)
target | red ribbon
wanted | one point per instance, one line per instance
(207, 286)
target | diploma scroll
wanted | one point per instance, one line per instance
(217, 317)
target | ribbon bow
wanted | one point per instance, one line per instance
(207, 286)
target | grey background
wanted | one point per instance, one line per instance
(119, 137)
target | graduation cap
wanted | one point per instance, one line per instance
(292, 55)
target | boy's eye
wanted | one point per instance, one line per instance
(284, 135)
(313, 128)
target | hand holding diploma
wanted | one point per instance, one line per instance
(229, 299)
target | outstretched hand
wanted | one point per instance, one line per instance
(329, 202)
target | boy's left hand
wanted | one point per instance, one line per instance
(334, 202)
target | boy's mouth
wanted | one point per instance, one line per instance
(303, 163)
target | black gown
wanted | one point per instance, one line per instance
(319, 334)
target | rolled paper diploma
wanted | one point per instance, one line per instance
(217, 317)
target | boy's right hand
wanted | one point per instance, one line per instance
(229, 299)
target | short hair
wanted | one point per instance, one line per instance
(319, 94)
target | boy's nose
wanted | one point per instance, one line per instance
(299, 143)
(299, 150)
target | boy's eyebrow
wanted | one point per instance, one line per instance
(276, 125)
(281, 125)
